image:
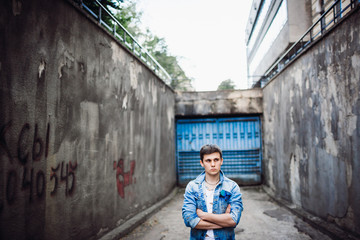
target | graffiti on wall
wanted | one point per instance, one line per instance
(69, 171)
(123, 178)
(34, 149)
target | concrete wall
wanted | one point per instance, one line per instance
(86, 130)
(311, 127)
(219, 102)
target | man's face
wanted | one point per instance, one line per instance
(212, 163)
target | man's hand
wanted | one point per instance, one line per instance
(228, 209)
(224, 220)
(201, 214)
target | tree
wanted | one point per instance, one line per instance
(110, 5)
(158, 48)
(226, 85)
(130, 19)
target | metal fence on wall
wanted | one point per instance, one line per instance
(119, 32)
(327, 21)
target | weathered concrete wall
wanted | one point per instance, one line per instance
(86, 130)
(311, 127)
(219, 102)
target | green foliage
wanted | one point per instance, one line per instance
(110, 5)
(158, 48)
(130, 19)
(226, 85)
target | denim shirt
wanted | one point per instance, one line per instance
(194, 198)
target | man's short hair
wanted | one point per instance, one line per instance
(209, 149)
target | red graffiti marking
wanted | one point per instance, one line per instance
(127, 177)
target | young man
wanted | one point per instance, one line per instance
(212, 202)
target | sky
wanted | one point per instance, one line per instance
(208, 36)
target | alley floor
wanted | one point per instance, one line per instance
(261, 219)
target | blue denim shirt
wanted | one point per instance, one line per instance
(194, 198)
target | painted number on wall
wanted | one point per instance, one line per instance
(33, 180)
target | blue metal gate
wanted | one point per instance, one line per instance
(239, 138)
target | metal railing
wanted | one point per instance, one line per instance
(327, 21)
(127, 39)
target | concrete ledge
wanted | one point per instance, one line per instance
(138, 219)
(226, 102)
(328, 228)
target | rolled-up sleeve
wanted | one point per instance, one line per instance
(236, 204)
(189, 215)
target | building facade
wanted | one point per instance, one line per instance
(273, 26)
